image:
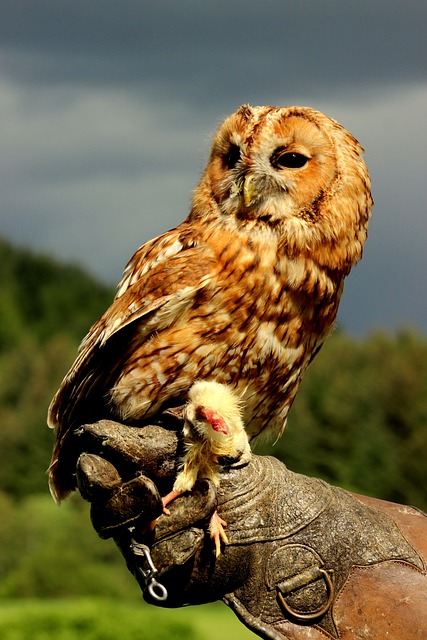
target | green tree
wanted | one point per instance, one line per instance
(360, 418)
(46, 309)
(54, 552)
(29, 376)
(42, 298)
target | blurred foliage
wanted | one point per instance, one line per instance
(46, 309)
(54, 552)
(360, 417)
(88, 620)
(359, 421)
(102, 619)
(40, 298)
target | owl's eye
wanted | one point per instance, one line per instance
(232, 157)
(282, 159)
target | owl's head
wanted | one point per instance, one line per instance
(291, 172)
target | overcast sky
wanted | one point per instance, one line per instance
(107, 110)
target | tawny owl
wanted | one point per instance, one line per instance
(243, 292)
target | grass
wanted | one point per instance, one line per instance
(213, 621)
(102, 619)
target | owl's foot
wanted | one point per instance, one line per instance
(216, 530)
(170, 497)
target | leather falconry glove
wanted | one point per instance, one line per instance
(305, 560)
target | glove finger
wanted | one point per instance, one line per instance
(150, 449)
(190, 509)
(116, 506)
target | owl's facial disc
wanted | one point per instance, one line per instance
(259, 183)
(275, 166)
(280, 160)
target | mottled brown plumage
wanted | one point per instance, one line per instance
(243, 292)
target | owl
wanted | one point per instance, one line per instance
(243, 292)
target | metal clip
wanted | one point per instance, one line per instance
(156, 590)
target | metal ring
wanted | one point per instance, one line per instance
(157, 591)
(306, 617)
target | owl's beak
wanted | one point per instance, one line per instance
(249, 192)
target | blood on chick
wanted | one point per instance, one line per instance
(213, 431)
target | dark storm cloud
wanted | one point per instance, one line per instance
(106, 111)
(305, 43)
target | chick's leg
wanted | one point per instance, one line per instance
(170, 497)
(216, 530)
(185, 481)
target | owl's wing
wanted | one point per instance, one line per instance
(160, 281)
(153, 276)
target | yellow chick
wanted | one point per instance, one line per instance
(213, 429)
